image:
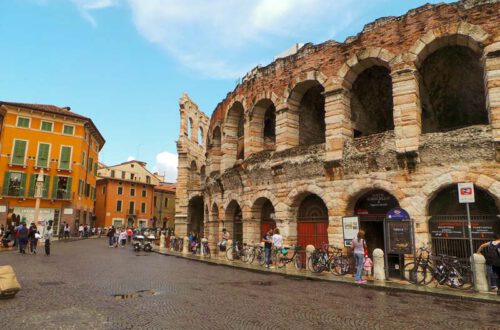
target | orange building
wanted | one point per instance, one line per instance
(164, 205)
(66, 146)
(125, 195)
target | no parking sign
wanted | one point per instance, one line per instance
(466, 192)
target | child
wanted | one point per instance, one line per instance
(367, 266)
(123, 238)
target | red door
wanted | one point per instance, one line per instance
(314, 233)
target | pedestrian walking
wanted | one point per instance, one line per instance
(268, 245)
(367, 266)
(123, 238)
(129, 235)
(47, 237)
(80, 231)
(33, 237)
(359, 246)
(60, 234)
(116, 237)
(66, 231)
(492, 255)
(22, 237)
(111, 235)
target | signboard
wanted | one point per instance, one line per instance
(466, 192)
(399, 237)
(459, 229)
(68, 211)
(350, 226)
(376, 202)
(398, 213)
(3, 208)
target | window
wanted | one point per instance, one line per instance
(132, 192)
(23, 122)
(80, 187)
(143, 208)
(43, 154)
(148, 179)
(118, 206)
(61, 187)
(144, 193)
(87, 190)
(112, 173)
(131, 208)
(90, 163)
(103, 190)
(46, 183)
(68, 129)
(166, 202)
(123, 175)
(154, 199)
(117, 223)
(92, 193)
(84, 157)
(19, 152)
(14, 183)
(120, 190)
(132, 176)
(95, 169)
(65, 158)
(46, 126)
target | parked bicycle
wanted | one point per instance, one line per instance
(319, 260)
(451, 272)
(339, 264)
(237, 251)
(420, 271)
(283, 258)
(256, 253)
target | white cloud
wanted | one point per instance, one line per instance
(129, 158)
(220, 38)
(85, 7)
(166, 164)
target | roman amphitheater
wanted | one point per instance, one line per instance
(395, 116)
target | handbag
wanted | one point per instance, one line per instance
(38, 236)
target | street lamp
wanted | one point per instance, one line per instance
(38, 195)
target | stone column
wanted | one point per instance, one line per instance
(492, 77)
(185, 245)
(251, 231)
(480, 275)
(287, 125)
(407, 111)
(309, 250)
(338, 121)
(378, 265)
(229, 150)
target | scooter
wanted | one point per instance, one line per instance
(147, 244)
(138, 242)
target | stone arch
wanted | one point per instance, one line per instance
(263, 126)
(296, 196)
(200, 136)
(196, 214)
(214, 150)
(194, 179)
(306, 99)
(190, 128)
(233, 220)
(233, 134)
(356, 191)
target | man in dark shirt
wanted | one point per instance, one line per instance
(268, 244)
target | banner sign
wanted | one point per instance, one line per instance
(399, 237)
(350, 226)
(459, 229)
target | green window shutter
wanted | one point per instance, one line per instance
(79, 187)
(65, 158)
(23, 185)
(83, 158)
(55, 183)
(95, 169)
(68, 129)
(43, 155)
(46, 186)
(31, 191)
(46, 126)
(19, 152)
(67, 195)
(23, 122)
(6, 181)
(89, 165)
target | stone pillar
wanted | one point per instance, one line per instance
(378, 265)
(229, 150)
(228, 245)
(162, 241)
(492, 76)
(480, 274)
(338, 122)
(287, 125)
(407, 111)
(251, 231)
(185, 245)
(309, 250)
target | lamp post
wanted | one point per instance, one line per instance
(38, 195)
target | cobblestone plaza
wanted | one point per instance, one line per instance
(76, 288)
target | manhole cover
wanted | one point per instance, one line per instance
(51, 283)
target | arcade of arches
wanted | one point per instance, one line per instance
(386, 119)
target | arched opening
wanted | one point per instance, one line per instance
(214, 237)
(189, 128)
(452, 91)
(195, 215)
(234, 132)
(371, 102)
(202, 175)
(233, 221)
(312, 221)
(371, 208)
(214, 150)
(194, 180)
(200, 136)
(263, 211)
(263, 126)
(311, 106)
(206, 227)
(448, 221)
(270, 128)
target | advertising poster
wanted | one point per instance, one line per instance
(350, 227)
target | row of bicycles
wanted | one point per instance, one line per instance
(256, 254)
(439, 270)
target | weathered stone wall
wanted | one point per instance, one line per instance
(410, 165)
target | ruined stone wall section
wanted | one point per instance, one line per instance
(190, 148)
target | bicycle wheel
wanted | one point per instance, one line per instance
(230, 254)
(245, 255)
(250, 255)
(260, 256)
(298, 261)
(339, 266)
(282, 260)
(315, 264)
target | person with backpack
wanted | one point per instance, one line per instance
(22, 237)
(492, 256)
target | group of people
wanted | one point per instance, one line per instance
(26, 238)
(491, 252)
(119, 236)
(271, 238)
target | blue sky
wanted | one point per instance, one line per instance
(125, 63)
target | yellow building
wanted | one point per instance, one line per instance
(66, 146)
